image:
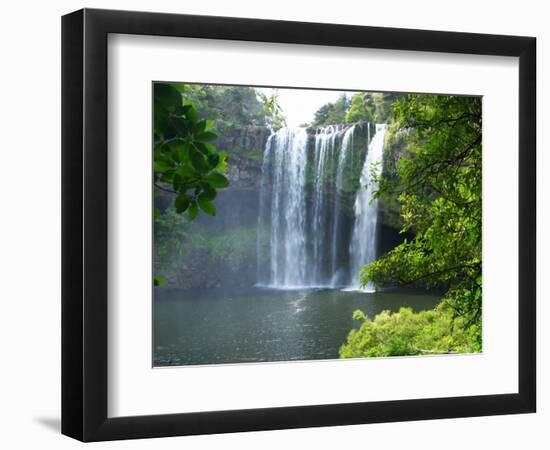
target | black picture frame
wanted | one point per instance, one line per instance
(84, 224)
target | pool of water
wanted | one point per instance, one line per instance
(214, 326)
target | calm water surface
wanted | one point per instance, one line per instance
(214, 326)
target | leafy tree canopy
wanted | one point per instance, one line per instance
(332, 113)
(272, 110)
(185, 161)
(234, 106)
(438, 188)
(373, 107)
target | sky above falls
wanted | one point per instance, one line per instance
(299, 105)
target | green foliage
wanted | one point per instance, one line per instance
(438, 187)
(205, 203)
(436, 331)
(272, 110)
(332, 113)
(158, 281)
(437, 183)
(383, 102)
(373, 107)
(185, 163)
(362, 108)
(233, 106)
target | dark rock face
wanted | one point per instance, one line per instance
(245, 147)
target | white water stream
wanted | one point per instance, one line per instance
(318, 227)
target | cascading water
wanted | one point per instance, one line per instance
(347, 143)
(325, 140)
(308, 217)
(363, 241)
(285, 159)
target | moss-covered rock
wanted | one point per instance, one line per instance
(395, 146)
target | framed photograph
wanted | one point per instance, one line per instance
(266, 224)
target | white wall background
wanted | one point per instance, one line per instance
(30, 226)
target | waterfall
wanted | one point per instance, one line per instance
(309, 207)
(347, 143)
(325, 139)
(284, 165)
(363, 241)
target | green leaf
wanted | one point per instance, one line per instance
(205, 149)
(180, 87)
(222, 164)
(167, 176)
(192, 114)
(166, 96)
(208, 191)
(209, 125)
(182, 203)
(161, 120)
(206, 136)
(193, 211)
(177, 181)
(186, 171)
(197, 159)
(213, 160)
(206, 204)
(162, 166)
(158, 150)
(156, 213)
(216, 180)
(182, 127)
(185, 107)
(179, 150)
(158, 281)
(199, 127)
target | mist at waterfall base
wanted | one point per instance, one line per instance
(317, 225)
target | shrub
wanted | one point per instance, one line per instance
(436, 331)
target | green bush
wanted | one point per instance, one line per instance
(436, 331)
